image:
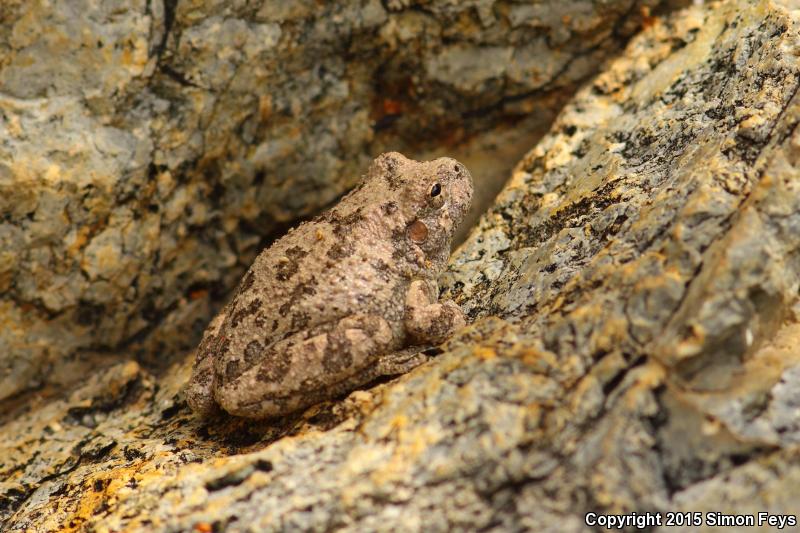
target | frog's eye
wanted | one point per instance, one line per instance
(435, 196)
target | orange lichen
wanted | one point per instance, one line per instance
(198, 294)
(648, 21)
(392, 107)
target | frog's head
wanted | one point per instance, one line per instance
(433, 196)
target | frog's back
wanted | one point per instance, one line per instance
(340, 264)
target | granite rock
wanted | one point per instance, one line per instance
(151, 148)
(633, 292)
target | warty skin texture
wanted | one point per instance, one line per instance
(323, 310)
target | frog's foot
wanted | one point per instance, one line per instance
(307, 368)
(428, 321)
(396, 363)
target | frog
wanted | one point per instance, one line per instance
(341, 300)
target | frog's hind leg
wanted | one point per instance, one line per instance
(200, 389)
(307, 367)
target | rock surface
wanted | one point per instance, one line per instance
(150, 148)
(634, 296)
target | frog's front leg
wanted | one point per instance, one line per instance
(429, 321)
(307, 367)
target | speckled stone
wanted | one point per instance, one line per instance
(149, 149)
(634, 296)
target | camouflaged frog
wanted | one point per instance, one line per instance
(329, 306)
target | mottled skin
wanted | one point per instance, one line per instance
(323, 310)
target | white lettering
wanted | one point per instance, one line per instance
(621, 521)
